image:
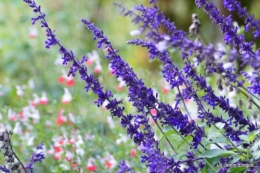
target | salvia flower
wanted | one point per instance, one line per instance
(250, 22)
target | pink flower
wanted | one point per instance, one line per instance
(97, 68)
(33, 32)
(70, 82)
(133, 152)
(108, 164)
(165, 90)
(91, 168)
(61, 79)
(61, 119)
(119, 88)
(44, 99)
(92, 57)
(153, 112)
(111, 71)
(89, 62)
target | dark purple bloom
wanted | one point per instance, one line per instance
(230, 33)
(123, 168)
(250, 22)
(37, 156)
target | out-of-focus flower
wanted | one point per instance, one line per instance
(89, 136)
(110, 122)
(69, 156)
(135, 32)
(91, 165)
(111, 71)
(105, 103)
(92, 57)
(61, 118)
(12, 115)
(153, 112)
(71, 118)
(98, 67)
(123, 138)
(133, 152)
(44, 99)
(33, 32)
(36, 100)
(19, 91)
(58, 60)
(61, 79)
(166, 87)
(70, 82)
(66, 98)
(121, 84)
(109, 161)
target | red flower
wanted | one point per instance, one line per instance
(61, 142)
(61, 79)
(13, 117)
(119, 88)
(57, 157)
(97, 70)
(71, 141)
(165, 90)
(57, 149)
(33, 104)
(70, 82)
(60, 120)
(43, 102)
(69, 159)
(133, 153)
(108, 164)
(74, 164)
(31, 36)
(89, 62)
(91, 168)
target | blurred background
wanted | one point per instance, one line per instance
(40, 103)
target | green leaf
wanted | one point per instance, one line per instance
(216, 152)
(245, 138)
(177, 157)
(188, 138)
(237, 170)
(168, 133)
(235, 159)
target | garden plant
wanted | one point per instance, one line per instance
(205, 119)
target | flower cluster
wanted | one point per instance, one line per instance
(233, 125)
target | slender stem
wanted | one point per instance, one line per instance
(11, 147)
(184, 102)
(163, 134)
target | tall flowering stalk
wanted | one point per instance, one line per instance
(171, 69)
(144, 99)
(176, 77)
(231, 36)
(250, 22)
(154, 158)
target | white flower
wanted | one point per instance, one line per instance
(162, 45)
(66, 98)
(135, 32)
(110, 122)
